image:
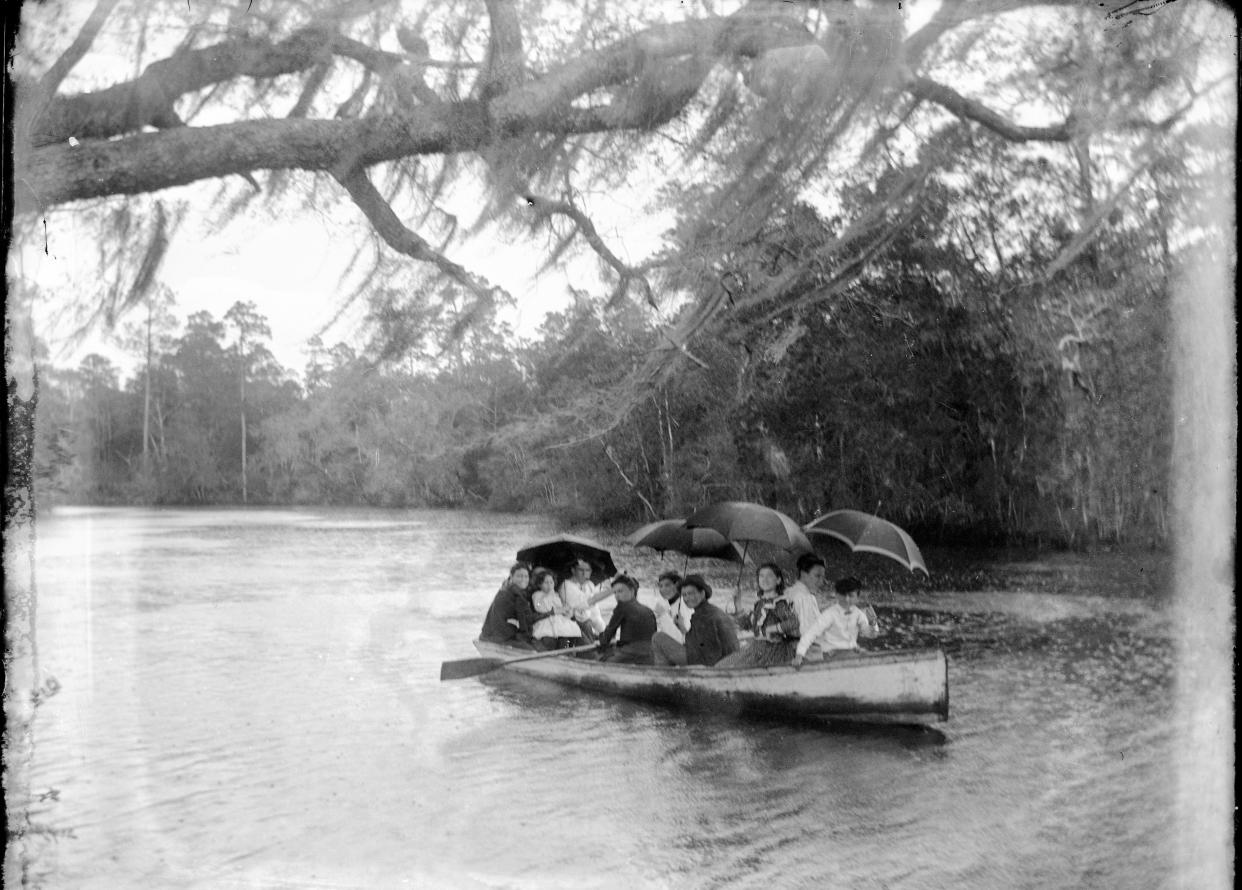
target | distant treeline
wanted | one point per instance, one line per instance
(969, 406)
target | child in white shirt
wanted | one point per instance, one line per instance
(839, 626)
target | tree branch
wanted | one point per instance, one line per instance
(1086, 234)
(653, 75)
(378, 60)
(740, 35)
(626, 274)
(148, 99)
(969, 109)
(505, 66)
(50, 82)
(310, 89)
(147, 162)
(405, 241)
(954, 13)
(612, 458)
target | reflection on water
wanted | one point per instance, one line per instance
(251, 699)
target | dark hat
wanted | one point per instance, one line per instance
(848, 584)
(697, 581)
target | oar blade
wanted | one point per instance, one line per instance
(468, 667)
(472, 667)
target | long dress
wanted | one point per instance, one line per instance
(776, 636)
(551, 623)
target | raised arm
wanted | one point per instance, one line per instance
(870, 628)
(599, 596)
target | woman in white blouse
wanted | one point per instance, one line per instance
(581, 596)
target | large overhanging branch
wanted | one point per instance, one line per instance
(148, 99)
(147, 162)
(652, 74)
(673, 59)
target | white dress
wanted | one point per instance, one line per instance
(552, 624)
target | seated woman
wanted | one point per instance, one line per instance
(632, 623)
(554, 626)
(774, 622)
(672, 621)
(510, 618)
(712, 635)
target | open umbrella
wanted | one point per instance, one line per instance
(675, 535)
(558, 552)
(868, 533)
(746, 521)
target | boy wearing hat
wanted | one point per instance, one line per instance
(839, 626)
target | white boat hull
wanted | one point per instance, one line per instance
(888, 686)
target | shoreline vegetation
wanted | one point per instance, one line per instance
(955, 435)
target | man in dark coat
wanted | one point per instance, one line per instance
(632, 623)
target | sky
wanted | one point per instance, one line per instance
(292, 267)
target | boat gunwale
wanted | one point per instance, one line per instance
(698, 681)
(835, 663)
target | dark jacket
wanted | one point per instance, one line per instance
(711, 637)
(510, 602)
(636, 623)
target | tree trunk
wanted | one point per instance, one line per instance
(243, 437)
(21, 657)
(146, 399)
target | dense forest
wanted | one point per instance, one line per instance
(946, 395)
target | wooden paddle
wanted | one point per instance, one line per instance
(473, 667)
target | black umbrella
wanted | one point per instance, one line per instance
(559, 552)
(746, 521)
(675, 535)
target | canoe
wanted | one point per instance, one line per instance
(898, 686)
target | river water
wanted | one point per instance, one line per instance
(250, 698)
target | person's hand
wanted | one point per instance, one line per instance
(797, 662)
